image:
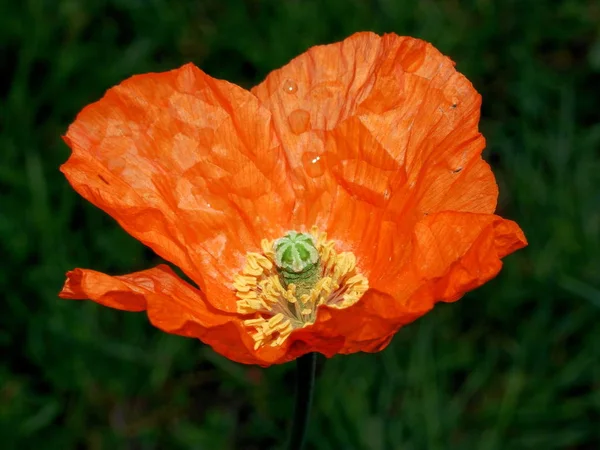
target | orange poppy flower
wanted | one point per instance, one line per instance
(320, 211)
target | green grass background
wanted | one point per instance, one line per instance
(513, 365)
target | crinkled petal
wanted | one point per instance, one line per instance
(173, 306)
(189, 166)
(450, 254)
(378, 131)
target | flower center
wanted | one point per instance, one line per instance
(283, 286)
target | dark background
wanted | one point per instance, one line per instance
(513, 365)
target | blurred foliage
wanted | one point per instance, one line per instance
(513, 365)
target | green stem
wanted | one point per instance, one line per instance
(305, 383)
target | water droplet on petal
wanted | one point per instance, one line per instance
(290, 86)
(313, 164)
(299, 121)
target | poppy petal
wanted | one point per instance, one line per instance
(419, 110)
(189, 166)
(378, 131)
(171, 304)
(450, 254)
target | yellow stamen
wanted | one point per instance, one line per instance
(279, 309)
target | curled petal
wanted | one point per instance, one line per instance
(172, 305)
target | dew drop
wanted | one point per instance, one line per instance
(299, 121)
(290, 87)
(314, 164)
(386, 194)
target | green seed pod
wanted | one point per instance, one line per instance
(297, 259)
